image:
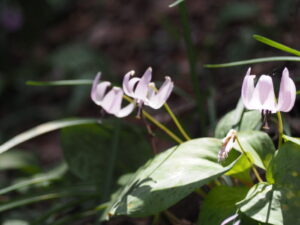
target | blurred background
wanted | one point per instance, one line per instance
(51, 40)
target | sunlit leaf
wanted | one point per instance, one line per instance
(277, 203)
(258, 145)
(292, 139)
(169, 177)
(275, 44)
(253, 61)
(42, 129)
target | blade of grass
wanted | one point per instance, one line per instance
(253, 61)
(59, 82)
(175, 3)
(192, 58)
(67, 192)
(42, 129)
(275, 44)
(48, 177)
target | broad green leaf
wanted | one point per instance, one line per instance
(176, 3)
(60, 82)
(258, 145)
(18, 160)
(262, 203)
(277, 203)
(88, 150)
(169, 177)
(253, 61)
(241, 170)
(42, 129)
(220, 197)
(52, 175)
(239, 120)
(275, 44)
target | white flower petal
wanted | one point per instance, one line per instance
(247, 88)
(126, 110)
(128, 89)
(157, 101)
(142, 88)
(287, 92)
(112, 101)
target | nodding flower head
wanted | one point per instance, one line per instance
(227, 145)
(261, 97)
(112, 100)
(144, 92)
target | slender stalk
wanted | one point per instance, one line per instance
(157, 123)
(253, 167)
(280, 129)
(173, 219)
(162, 127)
(192, 58)
(178, 125)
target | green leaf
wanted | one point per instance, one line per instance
(169, 177)
(42, 129)
(176, 3)
(88, 151)
(18, 160)
(259, 146)
(278, 203)
(292, 139)
(253, 61)
(15, 222)
(60, 82)
(241, 170)
(52, 175)
(76, 191)
(220, 197)
(262, 203)
(275, 44)
(239, 120)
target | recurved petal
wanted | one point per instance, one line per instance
(247, 89)
(263, 97)
(142, 88)
(157, 100)
(128, 89)
(229, 219)
(94, 87)
(112, 101)
(126, 110)
(287, 92)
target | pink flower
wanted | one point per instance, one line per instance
(261, 97)
(111, 101)
(144, 92)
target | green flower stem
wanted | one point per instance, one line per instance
(280, 129)
(178, 125)
(157, 123)
(253, 167)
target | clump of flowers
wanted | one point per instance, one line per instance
(142, 90)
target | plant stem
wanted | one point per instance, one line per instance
(178, 125)
(162, 127)
(173, 219)
(253, 167)
(157, 123)
(280, 129)
(192, 57)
